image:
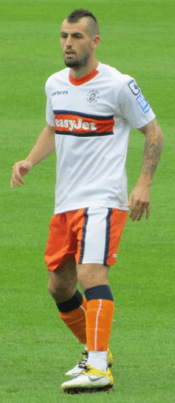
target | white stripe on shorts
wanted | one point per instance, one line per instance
(95, 235)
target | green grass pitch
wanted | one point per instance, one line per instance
(36, 349)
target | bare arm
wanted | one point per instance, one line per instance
(44, 146)
(139, 199)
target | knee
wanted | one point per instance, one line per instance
(59, 289)
(56, 288)
(92, 275)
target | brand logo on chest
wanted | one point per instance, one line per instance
(59, 93)
(81, 124)
(75, 124)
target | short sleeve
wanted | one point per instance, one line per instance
(134, 107)
(49, 111)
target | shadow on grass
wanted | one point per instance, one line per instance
(78, 391)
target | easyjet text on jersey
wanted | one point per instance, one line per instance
(74, 125)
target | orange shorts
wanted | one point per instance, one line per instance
(90, 235)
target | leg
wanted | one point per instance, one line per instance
(93, 279)
(62, 283)
(92, 275)
(98, 242)
(69, 301)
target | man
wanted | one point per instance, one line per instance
(90, 109)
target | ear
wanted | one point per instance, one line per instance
(96, 41)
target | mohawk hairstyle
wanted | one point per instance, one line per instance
(76, 15)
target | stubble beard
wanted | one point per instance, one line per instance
(78, 64)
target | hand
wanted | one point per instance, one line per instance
(139, 201)
(20, 169)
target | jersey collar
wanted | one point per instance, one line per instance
(82, 80)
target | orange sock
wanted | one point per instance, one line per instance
(98, 323)
(76, 321)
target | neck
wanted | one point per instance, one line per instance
(85, 70)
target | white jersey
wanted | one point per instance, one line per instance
(92, 118)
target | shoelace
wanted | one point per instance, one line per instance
(83, 361)
(86, 368)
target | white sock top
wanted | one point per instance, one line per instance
(98, 360)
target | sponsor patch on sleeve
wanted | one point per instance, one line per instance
(134, 87)
(143, 103)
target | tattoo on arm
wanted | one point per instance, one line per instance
(152, 149)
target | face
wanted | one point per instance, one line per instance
(76, 44)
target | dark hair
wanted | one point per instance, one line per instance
(77, 14)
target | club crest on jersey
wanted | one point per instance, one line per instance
(134, 87)
(93, 96)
